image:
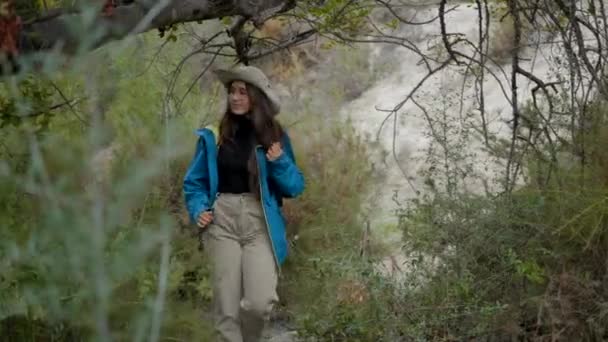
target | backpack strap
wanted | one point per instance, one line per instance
(215, 129)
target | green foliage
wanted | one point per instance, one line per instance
(347, 306)
(325, 225)
(29, 9)
(29, 100)
(505, 254)
(86, 215)
(520, 264)
(338, 176)
(93, 221)
(85, 234)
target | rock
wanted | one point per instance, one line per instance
(285, 336)
(277, 331)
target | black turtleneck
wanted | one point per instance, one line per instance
(233, 156)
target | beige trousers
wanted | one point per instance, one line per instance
(243, 268)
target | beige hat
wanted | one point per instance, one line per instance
(251, 75)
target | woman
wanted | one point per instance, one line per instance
(233, 190)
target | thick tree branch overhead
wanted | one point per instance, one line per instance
(65, 29)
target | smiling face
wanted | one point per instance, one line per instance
(238, 98)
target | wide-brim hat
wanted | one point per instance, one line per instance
(252, 75)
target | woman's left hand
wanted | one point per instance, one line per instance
(274, 152)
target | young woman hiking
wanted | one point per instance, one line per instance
(233, 189)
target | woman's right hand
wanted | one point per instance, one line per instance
(204, 219)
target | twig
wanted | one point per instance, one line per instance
(163, 275)
(160, 49)
(444, 34)
(200, 75)
(391, 8)
(69, 104)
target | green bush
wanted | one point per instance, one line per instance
(529, 264)
(92, 211)
(329, 290)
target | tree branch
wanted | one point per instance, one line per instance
(58, 30)
(514, 11)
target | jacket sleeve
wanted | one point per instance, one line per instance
(285, 173)
(196, 183)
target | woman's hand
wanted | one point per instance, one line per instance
(274, 152)
(204, 219)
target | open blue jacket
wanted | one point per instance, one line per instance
(278, 179)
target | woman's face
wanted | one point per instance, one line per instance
(238, 98)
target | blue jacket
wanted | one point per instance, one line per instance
(278, 179)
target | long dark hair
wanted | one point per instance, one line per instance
(267, 130)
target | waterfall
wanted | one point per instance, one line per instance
(441, 93)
